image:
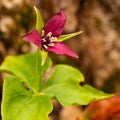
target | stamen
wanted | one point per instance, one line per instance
(43, 39)
(49, 34)
(51, 44)
(45, 46)
(43, 33)
(53, 39)
(48, 40)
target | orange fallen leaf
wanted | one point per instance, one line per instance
(106, 109)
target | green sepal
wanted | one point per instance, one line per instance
(68, 36)
(39, 21)
(44, 55)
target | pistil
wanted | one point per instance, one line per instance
(47, 40)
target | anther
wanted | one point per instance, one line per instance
(53, 39)
(43, 39)
(45, 46)
(43, 33)
(49, 34)
(51, 44)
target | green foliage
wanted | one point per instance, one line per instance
(20, 103)
(63, 84)
(27, 67)
(26, 97)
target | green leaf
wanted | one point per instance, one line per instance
(20, 103)
(63, 85)
(39, 21)
(68, 36)
(96, 93)
(27, 67)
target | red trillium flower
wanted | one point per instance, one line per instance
(47, 39)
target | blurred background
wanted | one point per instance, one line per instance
(98, 46)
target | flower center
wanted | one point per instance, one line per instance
(47, 40)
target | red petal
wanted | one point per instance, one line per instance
(33, 37)
(62, 49)
(56, 24)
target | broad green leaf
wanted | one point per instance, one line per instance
(68, 36)
(39, 21)
(20, 103)
(27, 67)
(63, 85)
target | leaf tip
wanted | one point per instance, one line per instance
(80, 32)
(35, 7)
